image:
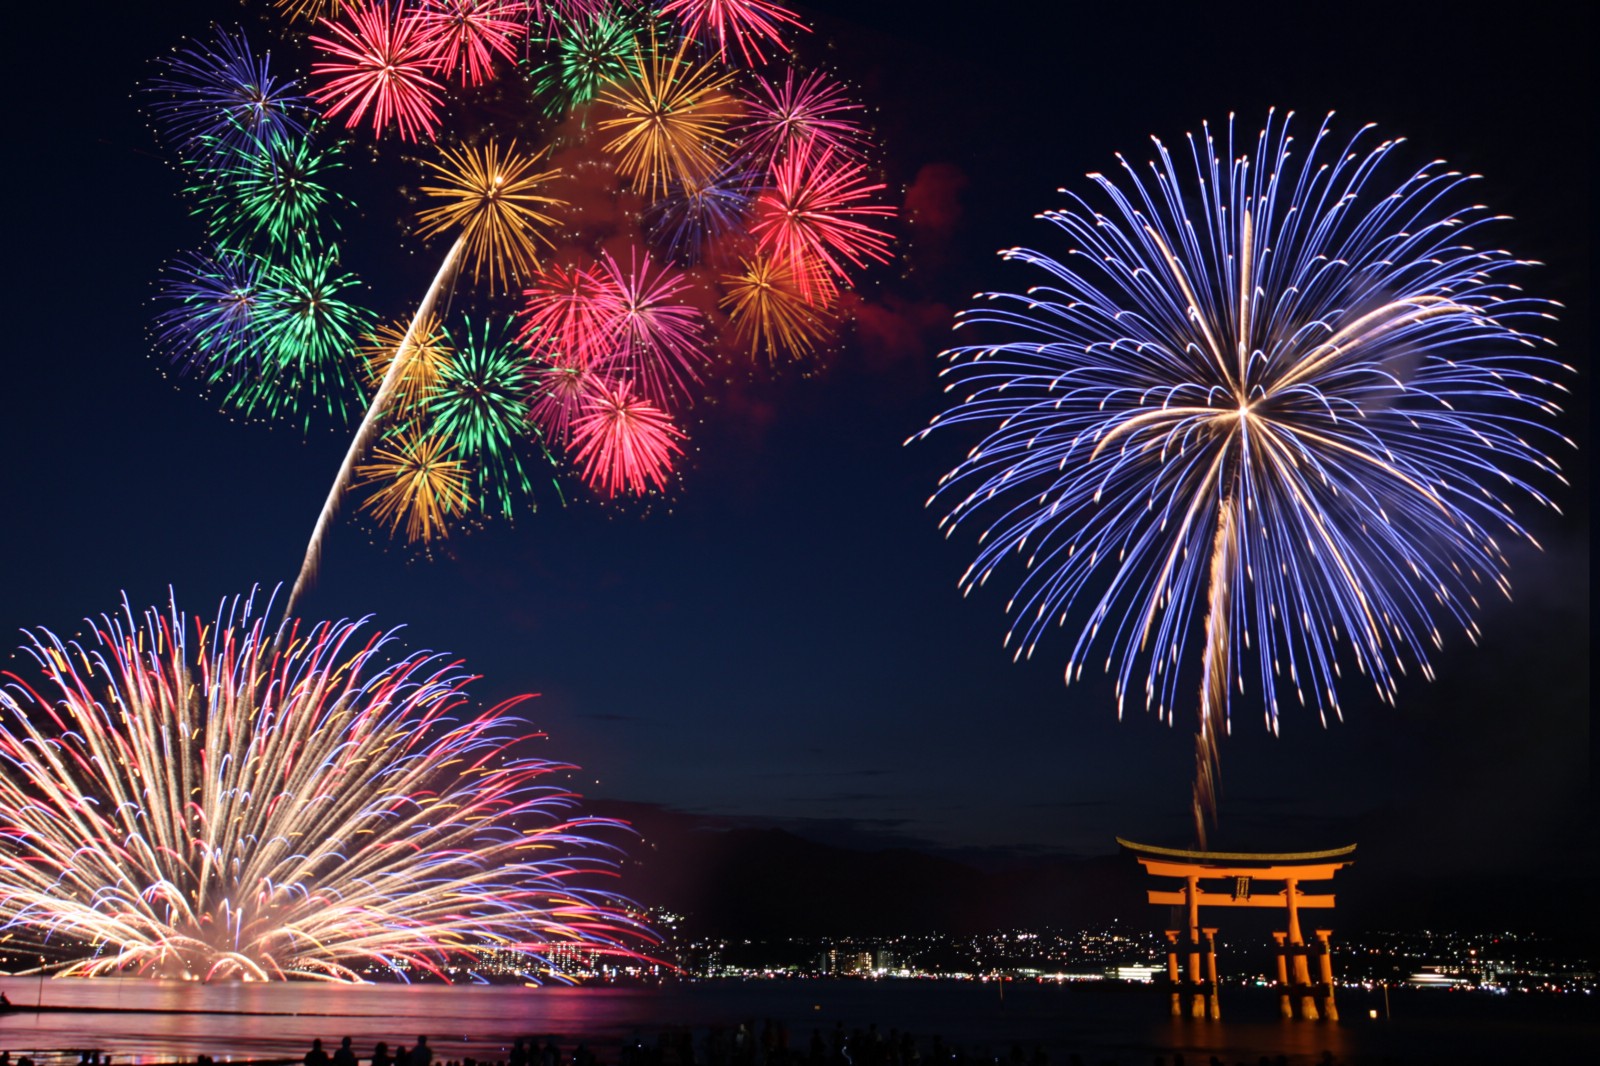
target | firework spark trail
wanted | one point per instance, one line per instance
(430, 356)
(1285, 414)
(296, 801)
(367, 432)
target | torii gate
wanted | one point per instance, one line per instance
(1243, 869)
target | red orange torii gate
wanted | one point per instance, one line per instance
(1243, 869)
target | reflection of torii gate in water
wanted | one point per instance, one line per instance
(1242, 870)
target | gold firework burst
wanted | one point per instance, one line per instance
(770, 311)
(419, 484)
(430, 356)
(492, 195)
(309, 10)
(673, 121)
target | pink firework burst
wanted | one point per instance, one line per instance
(623, 443)
(467, 35)
(656, 337)
(380, 60)
(814, 219)
(748, 22)
(568, 316)
(800, 115)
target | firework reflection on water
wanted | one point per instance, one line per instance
(144, 1021)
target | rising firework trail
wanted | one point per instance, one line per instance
(1273, 402)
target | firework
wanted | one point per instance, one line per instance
(492, 196)
(307, 329)
(291, 802)
(815, 220)
(655, 337)
(771, 313)
(568, 314)
(367, 431)
(800, 117)
(417, 481)
(672, 120)
(309, 10)
(623, 443)
(273, 189)
(479, 406)
(558, 14)
(467, 35)
(428, 357)
(749, 22)
(210, 303)
(222, 96)
(562, 391)
(588, 54)
(690, 220)
(1274, 427)
(380, 60)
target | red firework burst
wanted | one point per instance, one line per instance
(380, 60)
(813, 219)
(622, 443)
(748, 22)
(567, 317)
(467, 35)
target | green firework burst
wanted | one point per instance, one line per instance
(587, 55)
(273, 191)
(308, 330)
(480, 406)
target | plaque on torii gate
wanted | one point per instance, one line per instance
(1235, 878)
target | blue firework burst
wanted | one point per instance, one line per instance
(210, 302)
(1274, 403)
(220, 95)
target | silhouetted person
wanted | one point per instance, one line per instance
(344, 1056)
(422, 1054)
(380, 1054)
(316, 1056)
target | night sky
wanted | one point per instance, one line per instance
(780, 641)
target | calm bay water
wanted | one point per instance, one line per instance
(141, 1022)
